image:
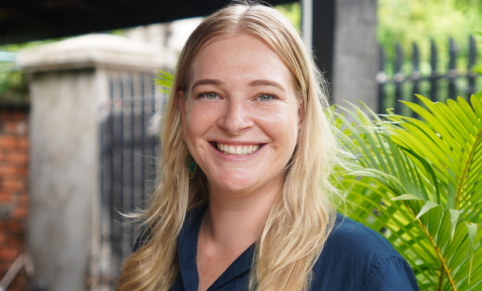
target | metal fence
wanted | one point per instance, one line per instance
(128, 160)
(435, 85)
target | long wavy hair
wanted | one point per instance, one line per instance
(301, 217)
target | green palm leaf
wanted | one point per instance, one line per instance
(419, 182)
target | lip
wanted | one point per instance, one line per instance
(237, 142)
(236, 158)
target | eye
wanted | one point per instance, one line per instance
(208, 95)
(266, 97)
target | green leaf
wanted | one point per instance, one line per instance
(165, 81)
(454, 216)
(452, 189)
(406, 197)
(428, 205)
(472, 231)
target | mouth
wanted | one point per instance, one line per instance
(241, 150)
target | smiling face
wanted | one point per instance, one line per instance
(240, 116)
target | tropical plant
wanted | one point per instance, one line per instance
(419, 183)
(478, 70)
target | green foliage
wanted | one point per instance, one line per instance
(13, 86)
(478, 70)
(292, 11)
(408, 21)
(164, 81)
(418, 182)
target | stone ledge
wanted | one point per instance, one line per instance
(93, 51)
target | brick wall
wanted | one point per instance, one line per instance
(13, 190)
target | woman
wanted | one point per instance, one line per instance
(244, 201)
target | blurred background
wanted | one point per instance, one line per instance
(80, 114)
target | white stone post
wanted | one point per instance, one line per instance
(356, 52)
(68, 86)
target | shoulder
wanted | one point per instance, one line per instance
(354, 238)
(364, 256)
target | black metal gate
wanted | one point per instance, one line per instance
(129, 141)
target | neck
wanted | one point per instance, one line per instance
(235, 220)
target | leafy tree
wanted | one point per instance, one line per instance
(13, 86)
(408, 21)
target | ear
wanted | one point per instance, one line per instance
(182, 108)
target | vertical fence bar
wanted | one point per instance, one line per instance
(153, 142)
(143, 136)
(398, 78)
(121, 180)
(415, 74)
(111, 170)
(102, 130)
(111, 154)
(470, 72)
(132, 105)
(452, 73)
(433, 74)
(381, 79)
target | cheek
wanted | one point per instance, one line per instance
(282, 126)
(199, 118)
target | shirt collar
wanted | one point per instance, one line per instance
(187, 251)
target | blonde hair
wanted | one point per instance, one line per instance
(300, 219)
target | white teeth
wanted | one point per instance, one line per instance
(237, 150)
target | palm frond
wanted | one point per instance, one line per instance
(419, 182)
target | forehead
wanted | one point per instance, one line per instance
(241, 57)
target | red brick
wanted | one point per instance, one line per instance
(7, 142)
(9, 253)
(19, 213)
(23, 171)
(14, 145)
(11, 185)
(16, 158)
(6, 199)
(22, 200)
(6, 171)
(22, 143)
(10, 127)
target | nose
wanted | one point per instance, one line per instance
(236, 117)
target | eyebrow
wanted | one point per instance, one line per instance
(251, 84)
(207, 82)
(266, 83)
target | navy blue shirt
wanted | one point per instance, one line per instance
(354, 258)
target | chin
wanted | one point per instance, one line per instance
(236, 183)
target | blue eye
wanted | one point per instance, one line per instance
(265, 97)
(209, 95)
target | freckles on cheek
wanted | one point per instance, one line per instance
(198, 120)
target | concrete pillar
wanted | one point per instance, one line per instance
(355, 52)
(68, 86)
